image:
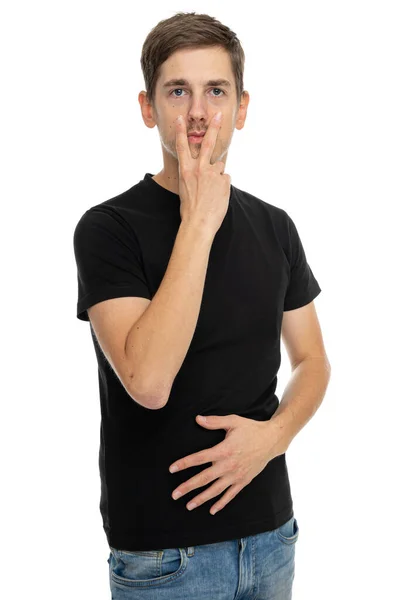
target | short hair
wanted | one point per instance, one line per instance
(188, 30)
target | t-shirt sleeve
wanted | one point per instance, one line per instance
(302, 286)
(108, 259)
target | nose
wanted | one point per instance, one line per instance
(197, 112)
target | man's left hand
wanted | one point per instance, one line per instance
(246, 450)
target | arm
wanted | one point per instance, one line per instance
(158, 342)
(311, 373)
(301, 399)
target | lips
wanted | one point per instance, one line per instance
(197, 133)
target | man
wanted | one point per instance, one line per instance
(189, 283)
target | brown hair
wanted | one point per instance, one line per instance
(188, 30)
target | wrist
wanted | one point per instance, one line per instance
(279, 434)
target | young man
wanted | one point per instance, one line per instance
(189, 283)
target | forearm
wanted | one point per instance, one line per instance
(158, 342)
(300, 400)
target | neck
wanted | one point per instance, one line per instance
(168, 177)
(169, 182)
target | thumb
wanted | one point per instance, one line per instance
(216, 421)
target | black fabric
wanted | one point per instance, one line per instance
(257, 269)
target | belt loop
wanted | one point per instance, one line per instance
(190, 550)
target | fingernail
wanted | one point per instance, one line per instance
(173, 469)
(179, 118)
(218, 116)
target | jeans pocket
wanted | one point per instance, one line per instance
(147, 567)
(288, 533)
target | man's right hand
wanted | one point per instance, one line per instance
(204, 188)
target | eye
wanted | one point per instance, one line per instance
(180, 89)
(219, 90)
(175, 91)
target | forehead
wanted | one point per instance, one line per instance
(197, 65)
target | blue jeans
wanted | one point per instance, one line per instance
(258, 566)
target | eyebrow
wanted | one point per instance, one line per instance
(211, 82)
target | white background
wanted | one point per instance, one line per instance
(321, 140)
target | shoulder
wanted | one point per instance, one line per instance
(111, 208)
(103, 228)
(276, 213)
(269, 214)
(109, 214)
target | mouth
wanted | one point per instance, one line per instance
(195, 139)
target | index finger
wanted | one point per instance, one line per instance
(181, 141)
(210, 138)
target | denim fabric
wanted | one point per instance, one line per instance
(259, 566)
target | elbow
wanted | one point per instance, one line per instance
(328, 365)
(150, 402)
(149, 396)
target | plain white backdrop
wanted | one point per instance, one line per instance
(321, 140)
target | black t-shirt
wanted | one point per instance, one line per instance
(257, 269)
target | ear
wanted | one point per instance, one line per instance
(242, 111)
(149, 113)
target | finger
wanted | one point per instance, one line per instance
(199, 480)
(230, 494)
(181, 142)
(209, 139)
(214, 490)
(198, 458)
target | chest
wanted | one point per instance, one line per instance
(245, 281)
